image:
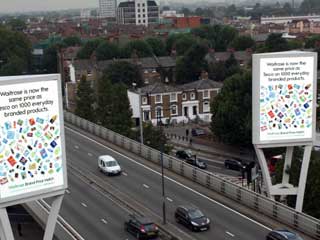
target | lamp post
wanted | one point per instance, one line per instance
(140, 112)
(159, 122)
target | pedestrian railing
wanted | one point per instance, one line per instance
(280, 212)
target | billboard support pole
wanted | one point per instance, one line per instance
(303, 177)
(53, 216)
(6, 230)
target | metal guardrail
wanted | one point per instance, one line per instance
(280, 212)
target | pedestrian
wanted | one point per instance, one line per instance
(19, 229)
(187, 132)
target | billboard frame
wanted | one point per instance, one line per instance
(284, 188)
(56, 192)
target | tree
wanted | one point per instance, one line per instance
(232, 66)
(85, 100)
(155, 137)
(106, 51)
(313, 41)
(17, 24)
(72, 41)
(312, 191)
(157, 46)
(186, 11)
(241, 43)
(89, 47)
(231, 110)
(139, 47)
(275, 43)
(50, 59)
(15, 53)
(104, 102)
(189, 67)
(217, 71)
(124, 72)
(181, 42)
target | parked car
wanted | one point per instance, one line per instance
(196, 162)
(283, 235)
(233, 164)
(191, 158)
(107, 164)
(141, 227)
(192, 218)
(197, 132)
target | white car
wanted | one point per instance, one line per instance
(109, 165)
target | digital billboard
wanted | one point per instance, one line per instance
(284, 91)
(32, 153)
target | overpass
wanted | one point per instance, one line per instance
(96, 206)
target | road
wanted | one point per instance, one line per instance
(96, 217)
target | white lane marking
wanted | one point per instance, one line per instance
(76, 147)
(146, 186)
(83, 204)
(90, 154)
(104, 221)
(172, 180)
(169, 199)
(124, 174)
(67, 191)
(230, 234)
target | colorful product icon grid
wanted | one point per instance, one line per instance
(29, 148)
(285, 107)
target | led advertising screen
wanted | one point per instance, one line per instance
(284, 97)
(31, 136)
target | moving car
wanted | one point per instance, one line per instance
(107, 164)
(282, 235)
(233, 164)
(141, 227)
(192, 218)
(191, 158)
(197, 132)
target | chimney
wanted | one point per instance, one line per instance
(204, 75)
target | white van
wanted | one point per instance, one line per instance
(109, 165)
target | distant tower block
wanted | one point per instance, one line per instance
(107, 8)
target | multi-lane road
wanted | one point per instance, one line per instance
(95, 216)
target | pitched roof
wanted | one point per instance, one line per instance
(159, 88)
(202, 84)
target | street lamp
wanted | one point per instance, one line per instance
(140, 112)
(159, 122)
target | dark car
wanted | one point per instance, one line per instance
(192, 218)
(190, 158)
(141, 227)
(282, 235)
(233, 164)
(197, 132)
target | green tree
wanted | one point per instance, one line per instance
(217, 71)
(72, 41)
(275, 43)
(124, 72)
(189, 67)
(107, 50)
(232, 66)
(241, 43)
(155, 137)
(121, 114)
(312, 191)
(231, 110)
(313, 41)
(15, 52)
(104, 102)
(17, 24)
(157, 46)
(50, 59)
(181, 42)
(88, 48)
(139, 47)
(85, 100)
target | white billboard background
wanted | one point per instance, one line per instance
(286, 98)
(30, 140)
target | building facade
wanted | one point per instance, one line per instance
(174, 104)
(107, 8)
(138, 12)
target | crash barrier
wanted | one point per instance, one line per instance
(280, 212)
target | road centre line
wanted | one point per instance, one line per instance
(76, 147)
(169, 199)
(104, 221)
(146, 186)
(83, 204)
(170, 179)
(124, 173)
(90, 154)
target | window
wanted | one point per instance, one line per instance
(89, 73)
(174, 110)
(139, 21)
(173, 97)
(144, 15)
(158, 99)
(139, 15)
(143, 10)
(146, 115)
(158, 112)
(142, 4)
(193, 96)
(206, 107)
(144, 21)
(138, 9)
(138, 4)
(184, 96)
(194, 110)
(206, 94)
(144, 100)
